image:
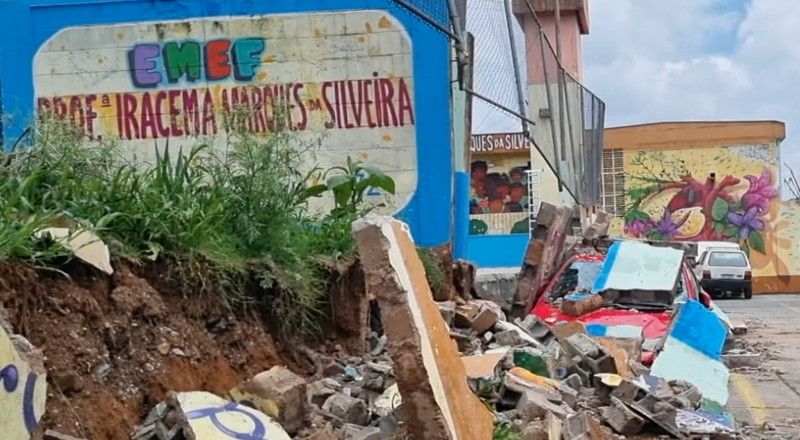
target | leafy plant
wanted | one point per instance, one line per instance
(349, 184)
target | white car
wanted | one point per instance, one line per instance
(725, 271)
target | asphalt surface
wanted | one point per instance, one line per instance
(770, 393)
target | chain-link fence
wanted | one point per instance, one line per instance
(524, 88)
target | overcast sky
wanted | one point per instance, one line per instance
(655, 60)
(679, 60)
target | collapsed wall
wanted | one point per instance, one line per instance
(114, 347)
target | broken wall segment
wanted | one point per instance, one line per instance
(545, 251)
(431, 377)
(692, 352)
(203, 416)
(23, 377)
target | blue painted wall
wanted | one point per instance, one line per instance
(497, 250)
(26, 24)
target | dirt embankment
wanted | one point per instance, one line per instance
(115, 346)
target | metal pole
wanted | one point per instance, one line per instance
(514, 58)
(560, 81)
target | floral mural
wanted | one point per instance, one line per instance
(668, 201)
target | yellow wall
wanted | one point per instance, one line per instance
(668, 194)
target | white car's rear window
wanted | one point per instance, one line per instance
(727, 259)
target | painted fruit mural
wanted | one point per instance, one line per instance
(667, 201)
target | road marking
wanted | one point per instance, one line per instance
(746, 390)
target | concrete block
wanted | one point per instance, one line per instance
(622, 419)
(582, 426)
(537, 329)
(534, 405)
(347, 408)
(592, 354)
(437, 400)
(739, 328)
(509, 338)
(583, 346)
(278, 393)
(580, 304)
(741, 360)
(485, 320)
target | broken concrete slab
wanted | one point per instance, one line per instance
(24, 380)
(201, 412)
(278, 393)
(692, 352)
(483, 366)
(431, 377)
(84, 244)
(635, 266)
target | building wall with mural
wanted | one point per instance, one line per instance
(342, 75)
(500, 196)
(705, 182)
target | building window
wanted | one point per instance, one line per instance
(613, 182)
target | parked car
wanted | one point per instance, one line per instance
(704, 246)
(578, 274)
(725, 271)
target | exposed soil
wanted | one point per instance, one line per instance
(114, 346)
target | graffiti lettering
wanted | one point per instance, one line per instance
(344, 104)
(377, 102)
(259, 431)
(154, 64)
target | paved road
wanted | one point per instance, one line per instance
(772, 392)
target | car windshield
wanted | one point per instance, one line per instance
(580, 276)
(727, 259)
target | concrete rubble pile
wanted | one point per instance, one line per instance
(467, 369)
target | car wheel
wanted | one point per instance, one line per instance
(748, 293)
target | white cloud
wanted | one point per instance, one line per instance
(656, 60)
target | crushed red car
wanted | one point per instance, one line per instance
(620, 318)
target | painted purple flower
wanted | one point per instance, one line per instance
(760, 192)
(637, 227)
(668, 227)
(746, 222)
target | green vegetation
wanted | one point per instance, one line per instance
(231, 221)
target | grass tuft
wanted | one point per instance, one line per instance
(232, 222)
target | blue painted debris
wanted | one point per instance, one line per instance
(692, 352)
(639, 266)
(700, 329)
(614, 331)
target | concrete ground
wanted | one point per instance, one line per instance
(770, 393)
